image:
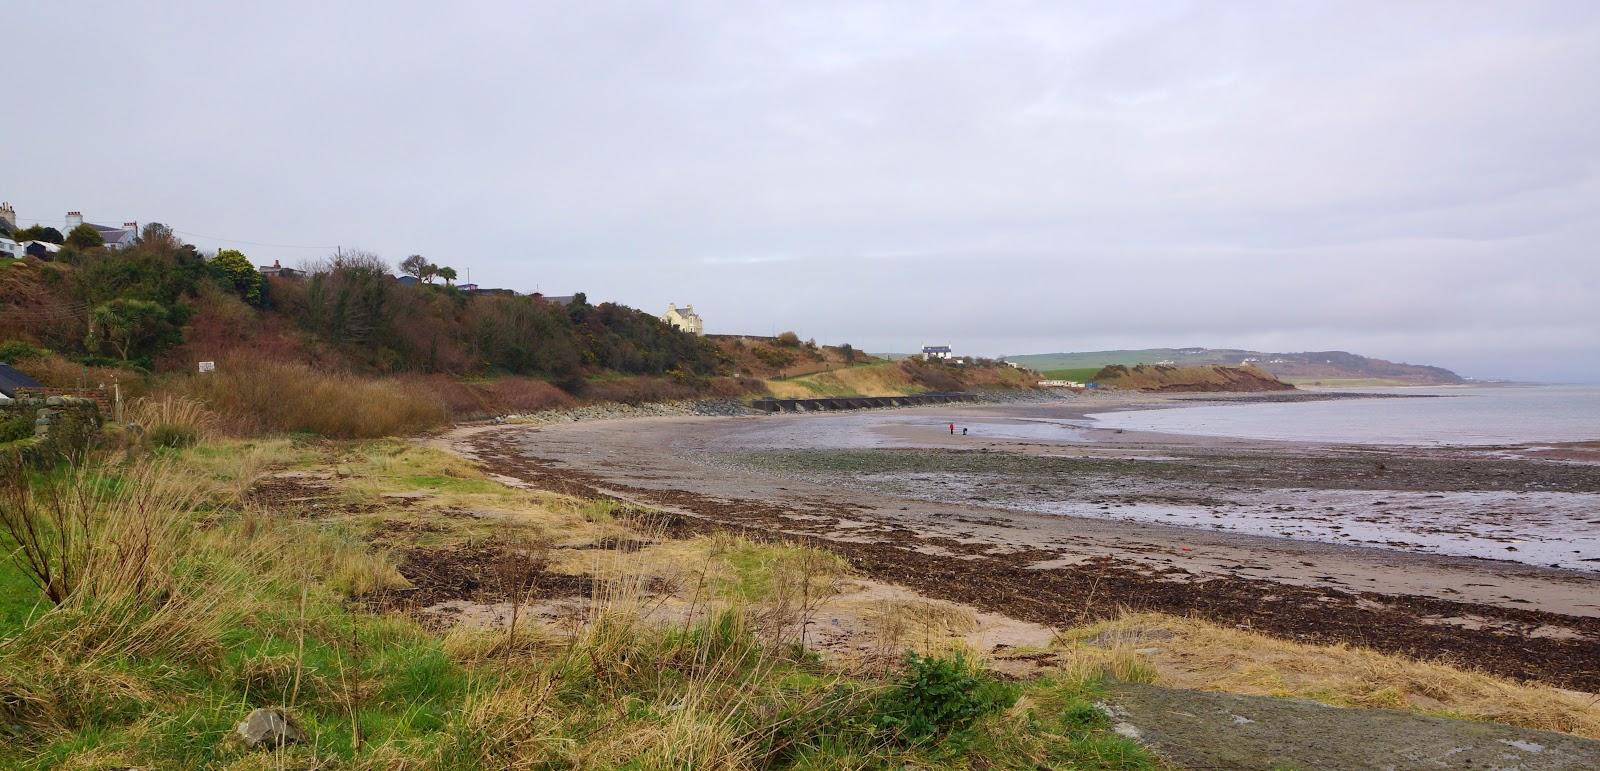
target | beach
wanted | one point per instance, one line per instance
(1436, 552)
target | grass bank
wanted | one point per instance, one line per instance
(404, 611)
(901, 378)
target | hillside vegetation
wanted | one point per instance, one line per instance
(161, 305)
(1331, 367)
(345, 350)
(784, 355)
(1144, 377)
(901, 378)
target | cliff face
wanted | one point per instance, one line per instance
(1342, 364)
(1160, 377)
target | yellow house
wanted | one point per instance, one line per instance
(684, 318)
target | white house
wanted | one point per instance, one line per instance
(684, 318)
(935, 351)
(277, 269)
(44, 250)
(115, 238)
(8, 225)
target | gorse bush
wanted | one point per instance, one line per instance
(16, 350)
(15, 426)
(936, 697)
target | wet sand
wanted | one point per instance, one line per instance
(985, 537)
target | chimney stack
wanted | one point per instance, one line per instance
(9, 215)
(74, 219)
(133, 226)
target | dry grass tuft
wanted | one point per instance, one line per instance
(1190, 653)
(925, 626)
(174, 414)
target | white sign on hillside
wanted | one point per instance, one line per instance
(208, 366)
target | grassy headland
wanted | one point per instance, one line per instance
(1292, 367)
(1159, 377)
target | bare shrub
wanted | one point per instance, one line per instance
(639, 390)
(516, 573)
(521, 394)
(270, 396)
(934, 377)
(501, 396)
(95, 533)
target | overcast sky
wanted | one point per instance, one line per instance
(1417, 181)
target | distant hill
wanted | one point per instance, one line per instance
(1214, 377)
(1330, 367)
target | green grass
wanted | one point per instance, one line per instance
(20, 599)
(1080, 374)
(450, 484)
(1346, 382)
(379, 691)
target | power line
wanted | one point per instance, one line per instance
(250, 243)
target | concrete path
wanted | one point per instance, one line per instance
(1204, 730)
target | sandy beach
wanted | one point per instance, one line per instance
(1036, 517)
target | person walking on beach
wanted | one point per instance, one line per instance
(952, 429)
(963, 430)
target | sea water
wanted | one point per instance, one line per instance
(1455, 415)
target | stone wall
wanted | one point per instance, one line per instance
(63, 428)
(100, 396)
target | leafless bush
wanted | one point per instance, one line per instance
(268, 396)
(94, 532)
(516, 574)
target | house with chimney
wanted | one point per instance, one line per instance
(115, 237)
(684, 318)
(14, 249)
(277, 269)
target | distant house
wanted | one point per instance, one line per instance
(12, 379)
(562, 299)
(13, 249)
(468, 288)
(684, 318)
(277, 269)
(935, 351)
(407, 280)
(115, 237)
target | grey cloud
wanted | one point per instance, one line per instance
(1415, 181)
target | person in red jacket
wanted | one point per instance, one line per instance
(952, 429)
